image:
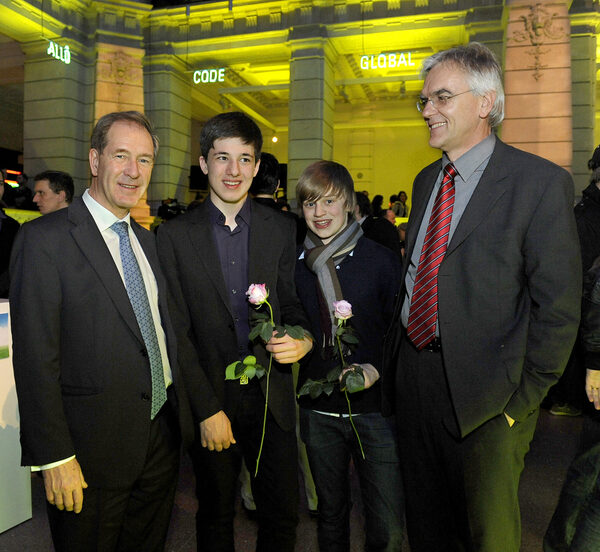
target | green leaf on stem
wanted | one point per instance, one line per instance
(304, 390)
(315, 389)
(250, 371)
(349, 339)
(334, 374)
(353, 380)
(279, 331)
(240, 369)
(295, 332)
(260, 371)
(250, 360)
(255, 332)
(328, 388)
(230, 371)
(266, 332)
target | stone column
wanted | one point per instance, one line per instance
(537, 79)
(168, 104)
(311, 100)
(583, 69)
(57, 111)
(120, 87)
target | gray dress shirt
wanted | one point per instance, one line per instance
(470, 167)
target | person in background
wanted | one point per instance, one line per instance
(264, 187)
(53, 190)
(338, 263)
(488, 312)
(587, 215)
(566, 398)
(400, 207)
(376, 229)
(21, 197)
(402, 233)
(388, 215)
(8, 231)
(169, 208)
(377, 206)
(575, 525)
(102, 407)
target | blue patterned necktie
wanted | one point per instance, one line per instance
(134, 282)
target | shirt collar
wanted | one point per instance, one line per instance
(102, 216)
(217, 217)
(470, 161)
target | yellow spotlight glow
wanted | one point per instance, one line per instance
(274, 139)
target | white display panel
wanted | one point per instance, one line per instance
(15, 481)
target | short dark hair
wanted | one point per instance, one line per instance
(59, 181)
(267, 177)
(594, 162)
(233, 124)
(364, 205)
(100, 132)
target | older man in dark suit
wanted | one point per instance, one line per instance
(99, 391)
(210, 256)
(488, 312)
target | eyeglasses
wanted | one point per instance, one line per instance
(437, 100)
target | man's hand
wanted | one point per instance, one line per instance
(216, 433)
(592, 387)
(64, 486)
(510, 421)
(287, 350)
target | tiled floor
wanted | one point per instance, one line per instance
(551, 452)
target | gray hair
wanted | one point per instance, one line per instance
(482, 69)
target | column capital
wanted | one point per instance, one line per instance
(311, 41)
(120, 23)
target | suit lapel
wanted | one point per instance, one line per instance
(200, 235)
(489, 189)
(92, 245)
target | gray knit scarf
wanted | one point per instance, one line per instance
(322, 259)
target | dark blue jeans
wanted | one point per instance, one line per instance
(575, 525)
(330, 444)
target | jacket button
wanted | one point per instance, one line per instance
(144, 353)
(145, 397)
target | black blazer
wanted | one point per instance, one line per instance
(201, 311)
(81, 368)
(509, 287)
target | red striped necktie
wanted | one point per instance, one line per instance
(423, 313)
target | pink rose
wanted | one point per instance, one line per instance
(257, 293)
(342, 310)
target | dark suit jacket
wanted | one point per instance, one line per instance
(81, 368)
(509, 286)
(201, 307)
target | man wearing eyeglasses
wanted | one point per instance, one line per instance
(487, 314)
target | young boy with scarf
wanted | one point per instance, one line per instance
(337, 262)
